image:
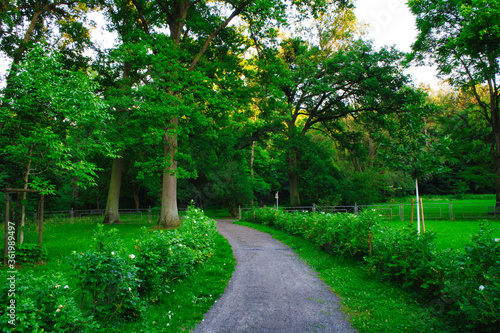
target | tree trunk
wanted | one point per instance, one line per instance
(293, 177)
(496, 160)
(495, 124)
(169, 215)
(112, 214)
(135, 189)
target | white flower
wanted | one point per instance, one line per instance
(112, 253)
(56, 286)
(58, 310)
(129, 289)
(132, 256)
(170, 249)
(66, 287)
(180, 245)
(497, 240)
(481, 287)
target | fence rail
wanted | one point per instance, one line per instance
(150, 213)
(432, 211)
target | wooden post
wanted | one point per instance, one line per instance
(412, 203)
(370, 243)
(15, 218)
(422, 208)
(7, 208)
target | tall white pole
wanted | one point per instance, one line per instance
(418, 210)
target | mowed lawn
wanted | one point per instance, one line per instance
(452, 234)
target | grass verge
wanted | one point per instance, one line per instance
(373, 306)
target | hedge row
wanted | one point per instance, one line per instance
(463, 285)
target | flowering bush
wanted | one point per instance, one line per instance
(108, 280)
(165, 256)
(43, 304)
(475, 283)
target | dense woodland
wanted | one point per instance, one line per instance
(228, 102)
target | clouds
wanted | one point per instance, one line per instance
(390, 22)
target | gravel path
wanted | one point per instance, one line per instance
(271, 290)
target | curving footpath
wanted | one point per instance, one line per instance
(271, 290)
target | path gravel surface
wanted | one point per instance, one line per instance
(271, 290)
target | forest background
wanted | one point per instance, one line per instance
(228, 102)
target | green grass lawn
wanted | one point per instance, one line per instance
(452, 234)
(469, 207)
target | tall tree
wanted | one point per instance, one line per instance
(53, 121)
(119, 72)
(191, 30)
(461, 119)
(313, 90)
(462, 37)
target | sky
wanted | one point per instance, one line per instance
(391, 23)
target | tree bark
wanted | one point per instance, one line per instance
(169, 216)
(135, 189)
(293, 178)
(495, 124)
(112, 214)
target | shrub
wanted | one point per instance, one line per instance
(350, 235)
(267, 216)
(162, 258)
(107, 279)
(475, 283)
(42, 304)
(30, 253)
(165, 256)
(403, 256)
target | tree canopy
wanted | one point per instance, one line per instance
(227, 102)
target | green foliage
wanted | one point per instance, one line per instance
(475, 283)
(107, 279)
(30, 253)
(42, 304)
(52, 120)
(167, 256)
(463, 286)
(402, 256)
(338, 233)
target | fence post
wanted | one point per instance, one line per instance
(239, 212)
(149, 214)
(72, 215)
(451, 211)
(401, 211)
(314, 208)
(356, 208)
